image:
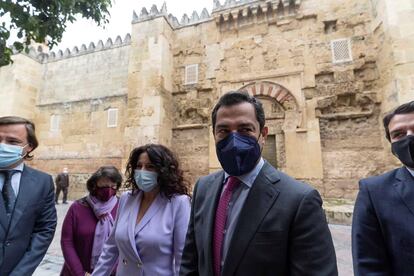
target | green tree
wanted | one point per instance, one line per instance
(43, 20)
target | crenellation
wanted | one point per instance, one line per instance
(91, 47)
(127, 39)
(194, 17)
(174, 21)
(171, 19)
(100, 45)
(43, 57)
(240, 11)
(154, 10)
(185, 20)
(134, 16)
(66, 53)
(204, 14)
(144, 14)
(164, 9)
(108, 43)
(118, 41)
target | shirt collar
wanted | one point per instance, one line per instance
(249, 177)
(411, 171)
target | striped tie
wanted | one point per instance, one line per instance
(9, 196)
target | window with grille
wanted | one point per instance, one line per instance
(191, 74)
(54, 122)
(112, 117)
(341, 50)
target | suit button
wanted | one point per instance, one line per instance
(7, 243)
(124, 261)
(139, 264)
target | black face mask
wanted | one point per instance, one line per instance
(404, 150)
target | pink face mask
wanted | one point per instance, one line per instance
(105, 193)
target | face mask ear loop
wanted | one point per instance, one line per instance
(23, 156)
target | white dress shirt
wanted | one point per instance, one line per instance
(15, 181)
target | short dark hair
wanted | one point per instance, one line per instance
(109, 172)
(402, 109)
(170, 175)
(237, 97)
(30, 128)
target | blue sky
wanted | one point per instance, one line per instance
(84, 31)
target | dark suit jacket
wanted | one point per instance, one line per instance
(281, 230)
(383, 225)
(25, 240)
(62, 180)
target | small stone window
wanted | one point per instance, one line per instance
(112, 117)
(341, 50)
(191, 74)
(330, 26)
(54, 123)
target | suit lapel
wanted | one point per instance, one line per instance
(404, 187)
(27, 184)
(134, 202)
(211, 198)
(152, 210)
(261, 198)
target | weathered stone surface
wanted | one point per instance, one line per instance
(323, 117)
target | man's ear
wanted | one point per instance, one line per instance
(264, 133)
(27, 150)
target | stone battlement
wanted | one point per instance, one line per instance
(253, 4)
(42, 57)
(234, 10)
(185, 21)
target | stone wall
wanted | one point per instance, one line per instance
(278, 47)
(324, 114)
(83, 141)
(20, 84)
(93, 74)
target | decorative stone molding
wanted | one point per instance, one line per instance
(40, 56)
(232, 10)
(273, 90)
(171, 19)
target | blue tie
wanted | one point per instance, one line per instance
(8, 194)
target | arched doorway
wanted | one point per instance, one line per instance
(281, 111)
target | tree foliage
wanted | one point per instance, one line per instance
(43, 21)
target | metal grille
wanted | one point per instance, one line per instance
(269, 150)
(341, 50)
(112, 117)
(191, 74)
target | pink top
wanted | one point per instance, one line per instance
(78, 231)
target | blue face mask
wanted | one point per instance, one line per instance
(9, 155)
(146, 180)
(238, 154)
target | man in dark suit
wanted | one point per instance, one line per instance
(383, 222)
(27, 209)
(62, 184)
(252, 219)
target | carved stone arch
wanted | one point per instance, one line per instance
(283, 97)
(276, 91)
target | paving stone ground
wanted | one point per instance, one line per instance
(52, 263)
